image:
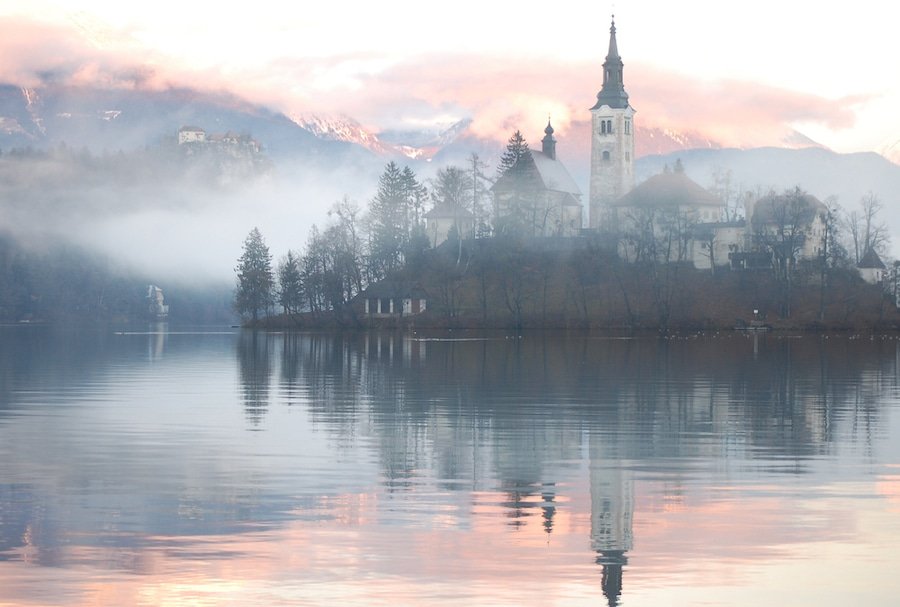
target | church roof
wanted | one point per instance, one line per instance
(871, 260)
(674, 189)
(553, 174)
(445, 211)
(771, 209)
(613, 92)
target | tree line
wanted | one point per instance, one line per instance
(359, 247)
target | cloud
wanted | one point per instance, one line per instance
(498, 92)
(503, 93)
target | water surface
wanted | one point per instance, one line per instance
(157, 467)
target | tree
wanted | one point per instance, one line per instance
(395, 215)
(723, 188)
(312, 271)
(452, 188)
(416, 195)
(516, 149)
(515, 192)
(782, 224)
(479, 192)
(254, 277)
(865, 228)
(343, 249)
(290, 284)
(833, 253)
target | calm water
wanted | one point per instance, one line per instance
(230, 468)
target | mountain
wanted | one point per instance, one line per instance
(106, 120)
(416, 145)
(345, 129)
(891, 151)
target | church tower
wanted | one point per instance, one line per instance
(612, 141)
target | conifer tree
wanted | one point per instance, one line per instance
(516, 149)
(254, 277)
(395, 215)
(290, 284)
(515, 191)
(480, 185)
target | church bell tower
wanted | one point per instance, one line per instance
(612, 141)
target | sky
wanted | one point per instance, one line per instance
(740, 73)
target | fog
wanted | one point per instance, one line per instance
(167, 228)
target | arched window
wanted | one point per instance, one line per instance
(605, 156)
(603, 127)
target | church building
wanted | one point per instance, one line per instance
(612, 142)
(538, 196)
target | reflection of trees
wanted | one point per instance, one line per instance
(503, 414)
(438, 403)
(255, 370)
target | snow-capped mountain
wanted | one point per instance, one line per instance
(341, 128)
(422, 144)
(891, 151)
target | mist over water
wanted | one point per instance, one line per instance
(179, 229)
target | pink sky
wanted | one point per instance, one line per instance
(740, 75)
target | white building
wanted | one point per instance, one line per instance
(612, 141)
(191, 134)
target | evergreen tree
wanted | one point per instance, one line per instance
(480, 186)
(394, 215)
(516, 189)
(388, 218)
(290, 284)
(254, 277)
(516, 149)
(416, 195)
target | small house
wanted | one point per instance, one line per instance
(871, 268)
(392, 300)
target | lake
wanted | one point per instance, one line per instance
(157, 466)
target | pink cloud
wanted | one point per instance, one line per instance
(499, 93)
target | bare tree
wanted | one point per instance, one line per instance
(724, 189)
(781, 227)
(865, 229)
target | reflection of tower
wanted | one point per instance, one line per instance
(612, 508)
(548, 505)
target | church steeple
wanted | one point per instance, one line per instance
(613, 92)
(612, 141)
(548, 143)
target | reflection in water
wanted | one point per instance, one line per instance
(472, 470)
(254, 355)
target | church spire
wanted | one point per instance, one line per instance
(613, 92)
(548, 143)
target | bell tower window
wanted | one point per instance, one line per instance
(605, 156)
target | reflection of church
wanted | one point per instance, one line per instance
(612, 510)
